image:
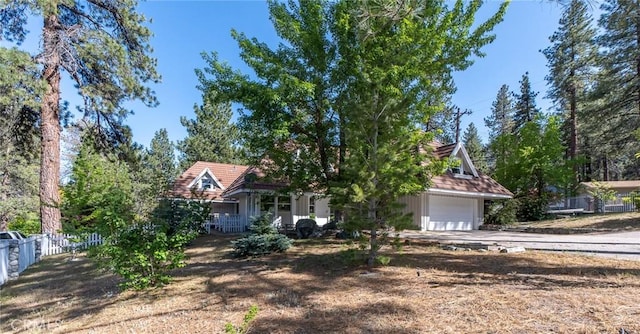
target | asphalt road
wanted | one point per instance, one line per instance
(621, 245)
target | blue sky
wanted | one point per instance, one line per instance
(184, 29)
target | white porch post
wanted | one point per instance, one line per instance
(294, 212)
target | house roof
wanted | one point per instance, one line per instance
(257, 182)
(223, 174)
(481, 185)
(629, 184)
(238, 178)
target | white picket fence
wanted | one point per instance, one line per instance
(63, 243)
(4, 262)
(27, 251)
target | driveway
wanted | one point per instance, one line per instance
(621, 245)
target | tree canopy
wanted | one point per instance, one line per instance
(104, 48)
(338, 106)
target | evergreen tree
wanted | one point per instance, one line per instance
(499, 123)
(525, 109)
(474, 147)
(501, 119)
(160, 162)
(103, 46)
(571, 60)
(18, 137)
(616, 109)
(356, 77)
(210, 136)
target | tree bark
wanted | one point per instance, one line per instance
(50, 127)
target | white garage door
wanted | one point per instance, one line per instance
(451, 213)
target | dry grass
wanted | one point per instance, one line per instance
(314, 288)
(603, 222)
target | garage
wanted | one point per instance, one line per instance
(451, 213)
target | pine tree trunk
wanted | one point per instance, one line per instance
(50, 127)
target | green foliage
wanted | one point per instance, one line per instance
(357, 78)
(210, 136)
(99, 198)
(19, 89)
(229, 328)
(502, 212)
(143, 254)
(532, 207)
(28, 224)
(383, 260)
(475, 149)
(535, 164)
(524, 109)
(263, 239)
(104, 48)
(602, 193)
(633, 198)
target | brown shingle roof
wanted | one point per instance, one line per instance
(482, 184)
(225, 173)
(257, 184)
(234, 178)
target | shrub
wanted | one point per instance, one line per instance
(229, 328)
(28, 224)
(143, 254)
(633, 198)
(502, 212)
(532, 208)
(263, 239)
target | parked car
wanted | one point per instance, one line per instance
(12, 235)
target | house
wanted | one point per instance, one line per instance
(238, 192)
(618, 204)
(454, 201)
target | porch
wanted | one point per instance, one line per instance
(226, 223)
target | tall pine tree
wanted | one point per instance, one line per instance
(499, 123)
(473, 144)
(525, 109)
(618, 89)
(211, 136)
(103, 46)
(571, 60)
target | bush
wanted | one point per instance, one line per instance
(28, 224)
(532, 208)
(263, 239)
(502, 212)
(143, 254)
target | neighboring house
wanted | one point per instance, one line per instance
(454, 201)
(622, 189)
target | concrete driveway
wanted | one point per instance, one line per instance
(621, 245)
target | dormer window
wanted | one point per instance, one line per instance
(206, 184)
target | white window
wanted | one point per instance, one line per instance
(312, 205)
(207, 184)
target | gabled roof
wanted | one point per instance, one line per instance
(472, 185)
(234, 179)
(223, 174)
(252, 179)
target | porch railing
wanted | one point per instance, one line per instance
(226, 223)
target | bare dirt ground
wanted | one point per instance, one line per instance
(316, 287)
(597, 222)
